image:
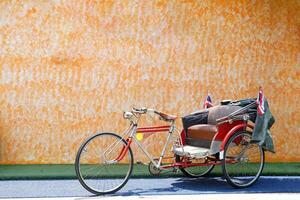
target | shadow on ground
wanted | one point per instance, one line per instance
(215, 185)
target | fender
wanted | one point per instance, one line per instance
(239, 127)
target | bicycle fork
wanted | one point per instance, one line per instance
(124, 148)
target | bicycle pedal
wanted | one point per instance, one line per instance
(140, 163)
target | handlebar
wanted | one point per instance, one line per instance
(143, 110)
(163, 116)
(139, 110)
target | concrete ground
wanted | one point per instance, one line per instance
(153, 188)
(260, 196)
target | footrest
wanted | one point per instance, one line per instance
(191, 151)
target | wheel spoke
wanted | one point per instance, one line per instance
(92, 169)
(249, 159)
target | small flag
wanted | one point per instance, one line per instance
(207, 102)
(260, 102)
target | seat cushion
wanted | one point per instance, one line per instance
(201, 135)
(202, 131)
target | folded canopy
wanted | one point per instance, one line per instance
(263, 123)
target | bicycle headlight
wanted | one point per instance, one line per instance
(127, 115)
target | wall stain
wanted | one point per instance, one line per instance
(69, 68)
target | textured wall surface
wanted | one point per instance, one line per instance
(69, 68)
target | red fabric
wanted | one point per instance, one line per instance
(183, 136)
(260, 103)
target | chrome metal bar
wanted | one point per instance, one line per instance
(145, 151)
(165, 147)
(242, 109)
(156, 164)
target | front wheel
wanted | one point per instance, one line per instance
(243, 160)
(99, 166)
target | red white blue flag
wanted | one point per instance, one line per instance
(207, 102)
(260, 102)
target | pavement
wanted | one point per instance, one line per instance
(264, 196)
(287, 187)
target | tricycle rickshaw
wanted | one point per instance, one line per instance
(216, 135)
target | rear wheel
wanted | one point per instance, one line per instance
(243, 160)
(98, 167)
(195, 172)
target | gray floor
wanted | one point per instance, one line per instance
(137, 187)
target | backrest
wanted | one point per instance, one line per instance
(220, 111)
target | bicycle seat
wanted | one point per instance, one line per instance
(166, 117)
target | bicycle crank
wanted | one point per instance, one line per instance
(153, 169)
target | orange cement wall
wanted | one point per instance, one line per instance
(69, 68)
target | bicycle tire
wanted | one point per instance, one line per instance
(241, 179)
(105, 176)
